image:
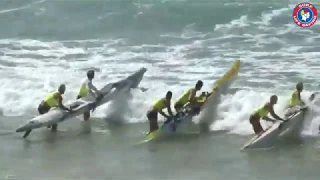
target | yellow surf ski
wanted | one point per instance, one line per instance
(150, 136)
(229, 75)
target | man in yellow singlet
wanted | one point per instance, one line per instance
(262, 113)
(202, 98)
(88, 88)
(189, 96)
(158, 107)
(296, 96)
(53, 99)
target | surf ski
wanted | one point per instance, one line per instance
(186, 114)
(79, 106)
(170, 125)
(293, 124)
(222, 84)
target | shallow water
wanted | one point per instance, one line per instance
(45, 43)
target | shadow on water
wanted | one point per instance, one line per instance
(177, 140)
(6, 132)
(48, 137)
(280, 145)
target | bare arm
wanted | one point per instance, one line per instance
(60, 105)
(92, 87)
(299, 97)
(93, 90)
(192, 95)
(273, 114)
(91, 93)
(163, 114)
(169, 108)
(214, 90)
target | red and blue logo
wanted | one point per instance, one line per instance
(305, 14)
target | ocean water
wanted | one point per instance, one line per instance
(49, 42)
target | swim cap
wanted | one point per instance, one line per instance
(274, 99)
(299, 85)
(62, 88)
(90, 74)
